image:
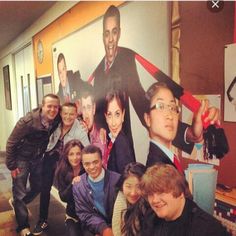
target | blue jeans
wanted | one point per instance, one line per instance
(30, 170)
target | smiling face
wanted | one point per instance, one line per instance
(92, 163)
(62, 72)
(88, 111)
(114, 117)
(68, 115)
(131, 189)
(111, 36)
(50, 108)
(74, 156)
(162, 121)
(166, 206)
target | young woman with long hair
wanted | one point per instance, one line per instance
(68, 172)
(130, 207)
(119, 151)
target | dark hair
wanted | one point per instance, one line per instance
(115, 94)
(87, 91)
(90, 149)
(50, 95)
(64, 168)
(132, 169)
(69, 104)
(60, 58)
(110, 12)
(164, 178)
(154, 89)
(134, 214)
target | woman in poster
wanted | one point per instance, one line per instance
(120, 151)
(68, 173)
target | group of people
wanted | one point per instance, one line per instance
(88, 146)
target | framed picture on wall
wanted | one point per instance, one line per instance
(230, 83)
(44, 86)
(7, 87)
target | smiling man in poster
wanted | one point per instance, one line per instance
(121, 61)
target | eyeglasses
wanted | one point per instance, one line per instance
(160, 106)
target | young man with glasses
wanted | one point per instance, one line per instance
(162, 120)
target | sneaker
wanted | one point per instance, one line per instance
(25, 232)
(40, 227)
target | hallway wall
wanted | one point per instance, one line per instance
(8, 118)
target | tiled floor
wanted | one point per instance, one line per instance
(7, 217)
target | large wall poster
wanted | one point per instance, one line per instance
(198, 153)
(230, 83)
(145, 28)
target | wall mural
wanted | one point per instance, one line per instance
(79, 58)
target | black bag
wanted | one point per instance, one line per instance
(215, 142)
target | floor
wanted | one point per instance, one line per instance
(7, 217)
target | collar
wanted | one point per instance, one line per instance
(45, 122)
(99, 178)
(111, 138)
(167, 151)
(66, 89)
(93, 128)
(110, 63)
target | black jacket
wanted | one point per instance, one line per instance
(192, 222)
(156, 155)
(64, 181)
(76, 86)
(28, 139)
(121, 154)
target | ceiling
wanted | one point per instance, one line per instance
(17, 16)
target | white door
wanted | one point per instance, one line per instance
(25, 80)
